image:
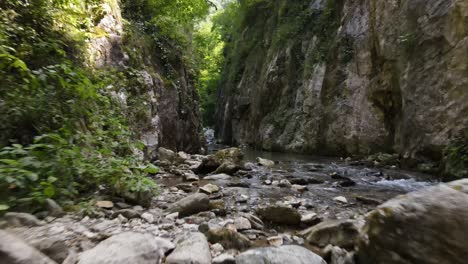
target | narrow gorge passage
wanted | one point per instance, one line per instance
(233, 131)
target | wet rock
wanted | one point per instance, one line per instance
(310, 219)
(279, 255)
(284, 183)
(227, 158)
(426, 226)
(368, 200)
(281, 215)
(228, 167)
(230, 239)
(218, 177)
(306, 181)
(53, 208)
(341, 199)
(106, 204)
(166, 154)
(192, 248)
(191, 204)
(22, 219)
(242, 223)
(185, 187)
(265, 162)
(299, 188)
(209, 188)
(347, 183)
(341, 233)
(239, 184)
(255, 222)
(190, 176)
(224, 259)
(242, 198)
(128, 248)
(275, 241)
(13, 250)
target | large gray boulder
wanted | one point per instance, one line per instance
(190, 205)
(425, 227)
(279, 255)
(193, 248)
(224, 161)
(128, 248)
(13, 250)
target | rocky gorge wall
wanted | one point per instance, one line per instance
(162, 109)
(348, 77)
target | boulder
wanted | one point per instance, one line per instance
(265, 162)
(426, 226)
(230, 160)
(22, 219)
(191, 249)
(242, 223)
(281, 215)
(255, 222)
(341, 233)
(105, 204)
(166, 154)
(190, 205)
(13, 250)
(209, 188)
(279, 255)
(224, 259)
(128, 248)
(230, 239)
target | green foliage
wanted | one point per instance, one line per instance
(63, 134)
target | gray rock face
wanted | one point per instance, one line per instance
(428, 226)
(191, 249)
(341, 233)
(282, 215)
(191, 204)
(22, 219)
(127, 248)
(15, 251)
(279, 255)
(361, 77)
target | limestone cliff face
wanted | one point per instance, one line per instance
(161, 113)
(348, 77)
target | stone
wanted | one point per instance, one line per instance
(255, 222)
(305, 181)
(166, 154)
(284, 183)
(13, 250)
(217, 248)
(192, 248)
(106, 204)
(185, 187)
(209, 188)
(275, 241)
(55, 246)
(230, 239)
(190, 205)
(426, 226)
(368, 200)
(190, 176)
(242, 198)
(281, 215)
(242, 223)
(127, 213)
(310, 219)
(148, 217)
(341, 199)
(265, 162)
(299, 188)
(229, 160)
(279, 255)
(22, 219)
(224, 259)
(53, 208)
(341, 233)
(218, 177)
(128, 248)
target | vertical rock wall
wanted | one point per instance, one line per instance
(348, 77)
